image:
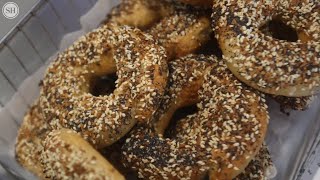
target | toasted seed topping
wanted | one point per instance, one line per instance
(263, 62)
(28, 146)
(183, 32)
(180, 29)
(185, 79)
(139, 13)
(207, 139)
(67, 155)
(140, 65)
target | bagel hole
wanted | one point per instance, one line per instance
(206, 177)
(180, 114)
(210, 48)
(103, 85)
(114, 155)
(279, 30)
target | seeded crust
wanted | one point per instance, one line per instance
(139, 13)
(140, 65)
(182, 33)
(270, 65)
(185, 79)
(28, 145)
(260, 168)
(220, 139)
(206, 3)
(295, 103)
(67, 156)
(179, 28)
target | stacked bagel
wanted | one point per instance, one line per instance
(173, 90)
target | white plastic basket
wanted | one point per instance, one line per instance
(293, 140)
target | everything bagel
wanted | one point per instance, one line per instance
(140, 65)
(185, 79)
(268, 64)
(179, 28)
(138, 13)
(67, 155)
(29, 140)
(220, 139)
(182, 33)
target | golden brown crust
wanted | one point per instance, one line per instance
(182, 33)
(220, 139)
(28, 146)
(185, 80)
(179, 28)
(67, 155)
(140, 65)
(271, 65)
(139, 13)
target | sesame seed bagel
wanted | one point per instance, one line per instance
(140, 65)
(185, 79)
(67, 155)
(182, 33)
(139, 13)
(28, 144)
(268, 64)
(220, 139)
(206, 3)
(179, 28)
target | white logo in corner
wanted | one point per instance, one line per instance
(10, 10)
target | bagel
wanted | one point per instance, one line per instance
(185, 80)
(28, 144)
(138, 13)
(220, 139)
(182, 33)
(67, 155)
(140, 65)
(259, 168)
(265, 63)
(179, 28)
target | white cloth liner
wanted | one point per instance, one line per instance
(288, 136)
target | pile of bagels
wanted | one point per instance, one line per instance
(168, 89)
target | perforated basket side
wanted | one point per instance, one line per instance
(36, 38)
(25, 49)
